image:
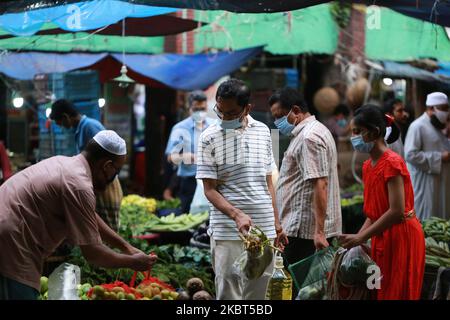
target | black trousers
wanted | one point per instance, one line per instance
(186, 193)
(13, 290)
(297, 250)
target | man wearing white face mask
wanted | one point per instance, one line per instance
(428, 159)
(182, 146)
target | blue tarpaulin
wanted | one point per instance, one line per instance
(183, 72)
(403, 70)
(444, 69)
(80, 16)
(436, 11)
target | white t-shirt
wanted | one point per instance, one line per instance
(240, 160)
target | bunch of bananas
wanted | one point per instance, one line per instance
(148, 203)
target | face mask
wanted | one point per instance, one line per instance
(360, 145)
(232, 124)
(442, 116)
(436, 122)
(342, 123)
(284, 126)
(199, 116)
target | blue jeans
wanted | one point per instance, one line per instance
(186, 193)
(13, 290)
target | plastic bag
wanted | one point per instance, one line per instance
(350, 274)
(257, 256)
(315, 291)
(250, 266)
(63, 282)
(354, 267)
(199, 202)
(310, 274)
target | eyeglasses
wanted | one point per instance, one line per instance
(221, 114)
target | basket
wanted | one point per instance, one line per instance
(313, 269)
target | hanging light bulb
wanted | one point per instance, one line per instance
(124, 80)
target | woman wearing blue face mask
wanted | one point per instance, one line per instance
(396, 233)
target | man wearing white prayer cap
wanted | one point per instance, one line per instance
(427, 154)
(53, 201)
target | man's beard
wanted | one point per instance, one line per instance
(436, 123)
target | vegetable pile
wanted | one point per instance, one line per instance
(172, 223)
(356, 199)
(437, 253)
(437, 233)
(148, 204)
(175, 266)
(437, 228)
(168, 204)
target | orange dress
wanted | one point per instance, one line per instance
(400, 250)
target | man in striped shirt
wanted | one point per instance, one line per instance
(235, 161)
(308, 187)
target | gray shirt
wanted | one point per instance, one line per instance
(430, 176)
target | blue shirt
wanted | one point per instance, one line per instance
(86, 130)
(184, 139)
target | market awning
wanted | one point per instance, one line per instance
(444, 69)
(403, 70)
(436, 11)
(183, 72)
(402, 38)
(161, 25)
(72, 16)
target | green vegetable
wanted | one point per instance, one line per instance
(168, 204)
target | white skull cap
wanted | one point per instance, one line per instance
(436, 99)
(111, 142)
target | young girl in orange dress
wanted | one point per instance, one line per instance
(398, 244)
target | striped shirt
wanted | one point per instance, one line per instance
(240, 160)
(310, 155)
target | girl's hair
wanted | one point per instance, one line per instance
(372, 117)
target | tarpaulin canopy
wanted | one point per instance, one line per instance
(401, 38)
(161, 25)
(310, 30)
(437, 11)
(183, 72)
(75, 15)
(403, 70)
(281, 33)
(444, 69)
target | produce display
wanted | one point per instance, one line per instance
(437, 253)
(137, 213)
(356, 199)
(437, 233)
(175, 266)
(150, 288)
(437, 228)
(148, 204)
(168, 204)
(172, 223)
